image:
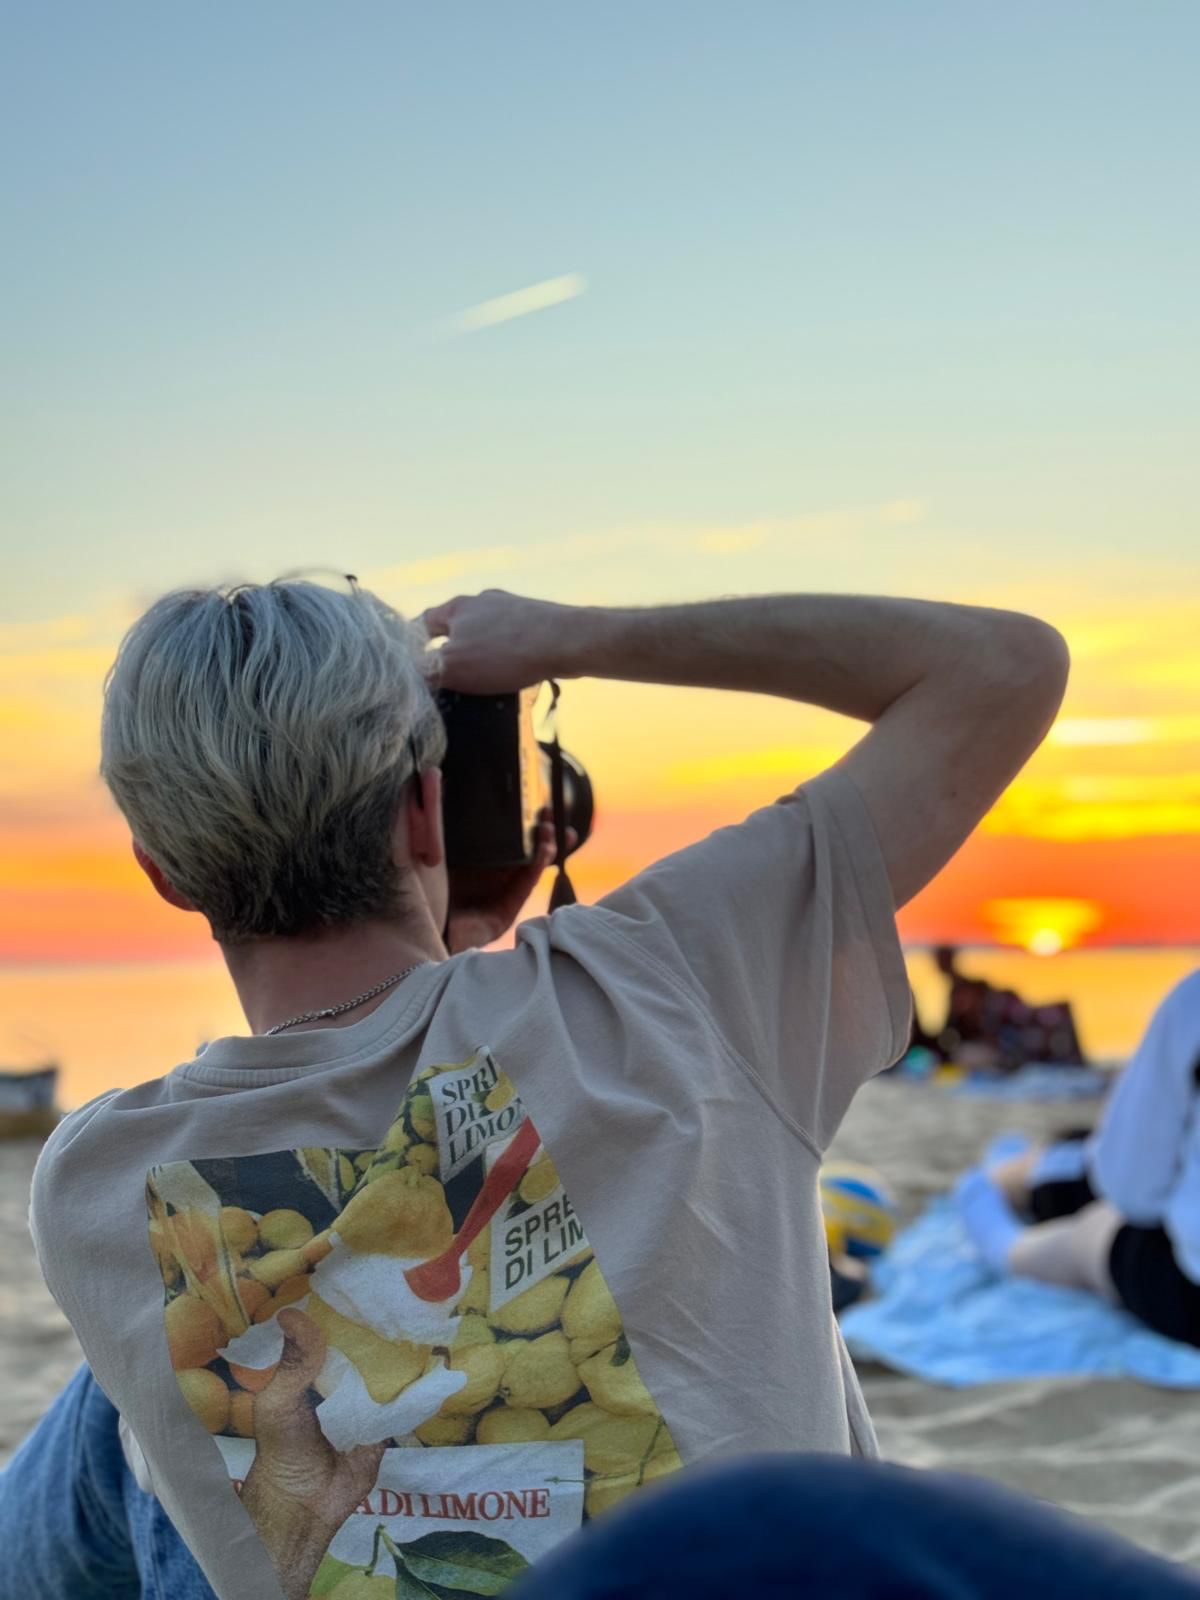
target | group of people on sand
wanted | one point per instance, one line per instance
(992, 1029)
(477, 1270)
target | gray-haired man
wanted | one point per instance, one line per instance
(459, 1250)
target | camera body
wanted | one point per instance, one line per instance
(496, 777)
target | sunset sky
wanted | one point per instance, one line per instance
(618, 305)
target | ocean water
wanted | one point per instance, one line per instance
(115, 1026)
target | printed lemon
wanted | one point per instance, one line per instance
(422, 1156)
(403, 1214)
(420, 1114)
(284, 1230)
(239, 1228)
(385, 1162)
(207, 1396)
(665, 1459)
(252, 1294)
(539, 1372)
(479, 1251)
(477, 1296)
(163, 1253)
(193, 1332)
(612, 1380)
(511, 1425)
(386, 1366)
(601, 1493)
(396, 1138)
(471, 1330)
(589, 1311)
(499, 1094)
(611, 1445)
(364, 1586)
(446, 1430)
(195, 1236)
(533, 1311)
(252, 1379)
(277, 1265)
(292, 1289)
(483, 1365)
(604, 1492)
(538, 1182)
(317, 1248)
(581, 1349)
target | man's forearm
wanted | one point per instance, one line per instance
(852, 654)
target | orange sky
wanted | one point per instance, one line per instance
(1096, 843)
(83, 898)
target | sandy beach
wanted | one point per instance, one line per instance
(1119, 1452)
(1123, 1453)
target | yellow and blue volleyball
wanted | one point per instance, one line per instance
(859, 1209)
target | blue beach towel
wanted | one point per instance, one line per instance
(941, 1315)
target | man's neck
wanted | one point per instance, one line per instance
(281, 978)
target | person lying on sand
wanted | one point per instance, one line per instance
(524, 1229)
(1116, 1211)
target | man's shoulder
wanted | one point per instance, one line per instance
(75, 1126)
(70, 1151)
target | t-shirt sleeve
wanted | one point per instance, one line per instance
(52, 1217)
(783, 927)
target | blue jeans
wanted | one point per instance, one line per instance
(73, 1523)
(75, 1526)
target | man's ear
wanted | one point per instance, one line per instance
(423, 815)
(160, 880)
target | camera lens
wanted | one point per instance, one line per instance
(578, 801)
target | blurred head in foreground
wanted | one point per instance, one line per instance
(266, 744)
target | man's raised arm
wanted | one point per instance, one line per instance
(959, 697)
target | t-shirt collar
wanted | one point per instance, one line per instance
(240, 1058)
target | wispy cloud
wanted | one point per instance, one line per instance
(478, 564)
(903, 513)
(1125, 730)
(731, 541)
(784, 762)
(521, 303)
(1085, 805)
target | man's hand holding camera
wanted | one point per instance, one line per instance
(496, 642)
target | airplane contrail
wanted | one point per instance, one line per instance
(521, 303)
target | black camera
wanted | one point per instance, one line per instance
(496, 777)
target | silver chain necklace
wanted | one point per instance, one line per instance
(346, 1005)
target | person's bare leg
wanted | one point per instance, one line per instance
(1072, 1251)
(1014, 1177)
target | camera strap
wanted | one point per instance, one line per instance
(563, 893)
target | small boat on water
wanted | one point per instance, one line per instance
(28, 1107)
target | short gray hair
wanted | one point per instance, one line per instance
(258, 739)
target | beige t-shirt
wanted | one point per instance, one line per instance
(421, 1293)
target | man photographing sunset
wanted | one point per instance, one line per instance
(665, 1068)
